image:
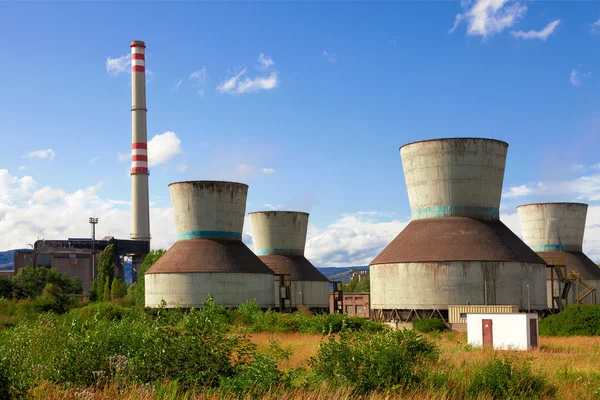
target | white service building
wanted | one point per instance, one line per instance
(503, 331)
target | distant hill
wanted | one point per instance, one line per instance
(7, 259)
(331, 271)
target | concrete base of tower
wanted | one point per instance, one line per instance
(311, 294)
(435, 285)
(191, 289)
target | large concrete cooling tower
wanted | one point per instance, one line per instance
(209, 255)
(455, 250)
(279, 238)
(555, 232)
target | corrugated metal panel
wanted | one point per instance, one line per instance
(457, 314)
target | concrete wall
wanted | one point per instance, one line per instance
(553, 226)
(279, 232)
(436, 285)
(454, 177)
(509, 331)
(305, 293)
(208, 210)
(191, 289)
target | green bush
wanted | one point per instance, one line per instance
(575, 320)
(370, 361)
(427, 325)
(6, 288)
(4, 382)
(506, 379)
(30, 282)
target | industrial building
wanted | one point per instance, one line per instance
(209, 256)
(455, 250)
(279, 239)
(555, 231)
(78, 257)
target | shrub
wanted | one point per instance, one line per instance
(30, 282)
(6, 288)
(505, 379)
(52, 299)
(4, 382)
(369, 361)
(575, 320)
(427, 325)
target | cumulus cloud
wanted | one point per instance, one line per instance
(47, 154)
(541, 35)
(53, 213)
(595, 27)
(268, 171)
(116, 66)
(265, 61)
(330, 57)
(486, 18)
(163, 147)
(238, 84)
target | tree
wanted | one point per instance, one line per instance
(106, 274)
(30, 282)
(118, 289)
(356, 285)
(6, 288)
(136, 292)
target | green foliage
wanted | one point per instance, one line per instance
(575, 320)
(6, 288)
(4, 382)
(249, 314)
(355, 285)
(118, 289)
(106, 274)
(370, 361)
(135, 293)
(261, 375)
(53, 299)
(507, 379)
(427, 325)
(30, 282)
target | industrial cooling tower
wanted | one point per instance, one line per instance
(555, 232)
(209, 256)
(455, 250)
(279, 239)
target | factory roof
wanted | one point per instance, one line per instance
(298, 267)
(456, 239)
(207, 255)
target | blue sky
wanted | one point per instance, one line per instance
(317, 128)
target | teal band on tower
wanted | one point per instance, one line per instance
(556, 247)
(455, 211)
(209, 235)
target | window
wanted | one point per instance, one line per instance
(360, 310)
(463, 315)
(358, 298)
(350, 310)
(348, 297)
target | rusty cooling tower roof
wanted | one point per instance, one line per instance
(456, 239)
(574, 260)
(456, 138)
(204, 255)
(298, 267)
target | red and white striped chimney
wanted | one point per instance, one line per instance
(140, 202)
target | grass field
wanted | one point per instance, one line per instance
(571, 364)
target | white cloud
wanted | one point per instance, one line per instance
(42, 154)
(53, 213)
(181, 167)
(595, 27)
(332, 58)
(177, 85)
(274, 207)
(123, 157)
(488, 17)
(268, 171)
(94, 160)
(584, 188)
(576, 76)
(542, 35)
(163, 147)
(577, 168)
(22, 168)
(238, 85)
(200, 78)
(116, 66)
(265, 61)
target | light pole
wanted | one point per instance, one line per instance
(93, 222)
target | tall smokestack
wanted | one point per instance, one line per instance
(140, 204)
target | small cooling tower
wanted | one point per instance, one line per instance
(279, 239)
(555, 232)
(455, 250)
(209, 256)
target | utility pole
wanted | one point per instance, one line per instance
(93, 222)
